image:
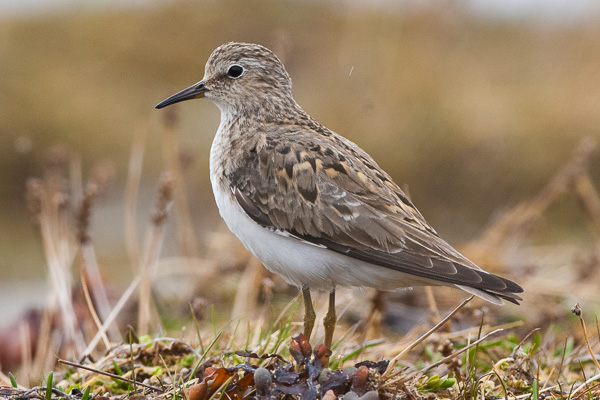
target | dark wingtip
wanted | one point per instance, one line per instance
(511, 286)
(497, 287)
(509, 292)
(510, 297)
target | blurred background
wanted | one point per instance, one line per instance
(475, 106)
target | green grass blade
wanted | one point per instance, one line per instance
(118, 369)
(49, 385)
(210, 346)
(13, 381)
(86, 393)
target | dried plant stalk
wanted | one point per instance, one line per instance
(132, 188)
(49, 204)
(185, 229)
(514, 225)
(90, 262)
(149, 261)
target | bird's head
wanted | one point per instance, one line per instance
(240, 76)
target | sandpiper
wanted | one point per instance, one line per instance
(310, 204)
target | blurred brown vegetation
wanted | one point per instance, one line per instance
(482, 119)
(474, 115)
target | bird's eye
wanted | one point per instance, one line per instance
(235, 71)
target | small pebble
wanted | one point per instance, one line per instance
(329, 395)
(359, 380)
(262, 380)
(370, 395)
(351, 396)
(324, 376)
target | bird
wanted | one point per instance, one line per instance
(310, 204)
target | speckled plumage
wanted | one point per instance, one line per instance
(309, 203)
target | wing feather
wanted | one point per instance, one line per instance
(333, 194)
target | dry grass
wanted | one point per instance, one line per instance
(495, 103)
(481, 362)
(467, 354)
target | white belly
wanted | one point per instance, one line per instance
(302, 263)
(299, 263)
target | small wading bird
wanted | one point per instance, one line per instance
(311, 205)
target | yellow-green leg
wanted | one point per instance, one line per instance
(309, 312)
(330, 320)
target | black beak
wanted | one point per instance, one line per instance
(195, 91)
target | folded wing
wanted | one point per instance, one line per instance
(340, 199)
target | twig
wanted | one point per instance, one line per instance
(502, 383)
(442, 361)
(577, 311)
(585, 384)
(562, 359)
(459, 352)
(424, 336)
(464, 332)
(113, 314)
(524, 339)
(95, 318)
(548, 377)
(76, 365)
